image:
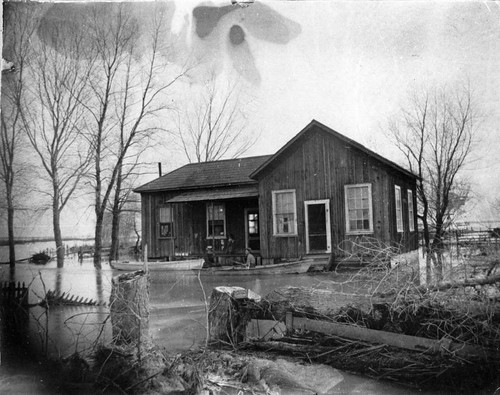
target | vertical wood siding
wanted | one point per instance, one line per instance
(189, 226)
(318, 166)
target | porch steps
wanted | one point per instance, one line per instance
(320, 261)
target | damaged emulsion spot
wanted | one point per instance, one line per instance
(236, 35)
(208, 17)
(256, 21)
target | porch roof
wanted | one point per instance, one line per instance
(216, 194)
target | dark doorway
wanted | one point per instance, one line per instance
(252, 229)
(318, 238)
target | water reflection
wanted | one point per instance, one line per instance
(62, 330)
(98, 284)
(177, 315)
(177, 320)
(59, 280)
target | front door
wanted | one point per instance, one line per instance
(318, 231)
(252, 229)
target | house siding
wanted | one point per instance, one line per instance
(190, 226)
(318, 166)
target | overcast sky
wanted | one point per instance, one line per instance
(352, 64)
(349, 65)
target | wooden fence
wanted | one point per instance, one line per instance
(12, 294)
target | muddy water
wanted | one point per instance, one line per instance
(177, 317)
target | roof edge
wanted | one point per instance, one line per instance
(139, 188)
(348, 140)
(212, 186)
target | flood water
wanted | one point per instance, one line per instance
(177, 316)
(26, 250)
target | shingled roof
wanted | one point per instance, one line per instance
(207, 174)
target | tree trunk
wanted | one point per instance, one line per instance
(427, 248)
(132, 364)
(129, 309)
(58, 237)
(451, 284)
(308, 302)
(98, 241)
(330, 267)
(114, 253)
(437, 248)
(138, 240)
(226, 324)
(115, 226)
(10, 226)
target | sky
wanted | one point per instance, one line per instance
(352, 64)
(347, 64)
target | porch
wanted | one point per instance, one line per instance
(226, 220)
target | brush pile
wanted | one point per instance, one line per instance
(390, 299)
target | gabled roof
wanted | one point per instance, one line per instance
(207, 174)
(341, 137)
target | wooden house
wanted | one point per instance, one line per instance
(320, 193)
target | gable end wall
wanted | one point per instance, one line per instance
(318, 166)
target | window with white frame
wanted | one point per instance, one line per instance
(411, 213)
(358, 208)
(284, 213)
(216, 220)
(166, 221)
(399, 208)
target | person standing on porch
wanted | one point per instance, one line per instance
(250, 262)
(230, 244)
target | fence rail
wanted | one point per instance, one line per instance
(12, 294)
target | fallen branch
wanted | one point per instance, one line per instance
(449, 285)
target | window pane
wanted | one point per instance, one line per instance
(166, 229)
(215, 219)
(165, 214)
(253, 224)
(216, 228)
(285, 223)
(411, 214)
(284, 202)
(284, 212)
(399, 210)
(358, 208)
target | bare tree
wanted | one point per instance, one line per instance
(128, 84)
(122, 199)
(20, 24)
(212, 124)
(54, 118)
(436, 133)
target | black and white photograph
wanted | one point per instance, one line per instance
(250, 197)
